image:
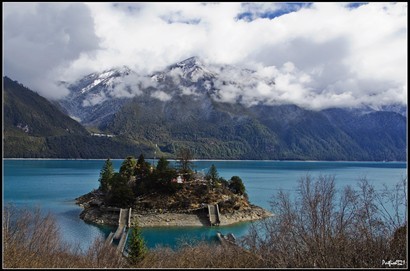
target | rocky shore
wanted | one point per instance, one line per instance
(95, 212)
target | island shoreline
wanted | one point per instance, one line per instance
(106, 215)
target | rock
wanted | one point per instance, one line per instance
(106, 215)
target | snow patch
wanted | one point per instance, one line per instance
(75, 118)
(90, 86)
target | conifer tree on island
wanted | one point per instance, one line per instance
(237, 186)
(121, 195)
(212, 173)
(106, 174)
(162, 165)
(142, 167)
(127, 168)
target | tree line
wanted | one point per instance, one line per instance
(138, 177)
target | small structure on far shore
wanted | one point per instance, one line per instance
(178, 179)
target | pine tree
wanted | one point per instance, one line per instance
(163, 165)
(137, 248)
(121, 195)
(237, 186)
(212, 174)
(106, 174)
(142, 168)
(127, 168)
(141, 160)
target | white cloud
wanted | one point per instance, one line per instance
(160, 95)
(190, 91)
(94, 99)
(176, 74)
(41, 40)
(130, 85)
(319, 55)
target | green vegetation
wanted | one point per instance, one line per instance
(212, 174)
(140, 185)
(120, 194)
(36, 128)
(213, 130)
(128, 167)
(236, 185)
(106, 175)
(137, 249)
(137, 178)
(28, 113)
(163, 165)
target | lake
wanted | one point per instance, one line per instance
(52, 185)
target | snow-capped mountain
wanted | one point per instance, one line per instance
(96, 97)
(398, 108)
(190, 70)
(188, 77)
(92, 99)
(226, 112)
(105, 78)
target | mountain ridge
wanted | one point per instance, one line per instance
(182, 109)
(36, 128)
(183, 106)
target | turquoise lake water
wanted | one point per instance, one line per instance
(53, 185)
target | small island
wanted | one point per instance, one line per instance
(167, 196)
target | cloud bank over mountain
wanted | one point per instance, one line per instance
(314, 55)
(41, 40)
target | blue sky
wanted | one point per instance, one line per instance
(343, 54)
(279, 10)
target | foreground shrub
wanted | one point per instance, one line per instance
(32, 240)
(325, 228)
(200, 255)
(319, 226)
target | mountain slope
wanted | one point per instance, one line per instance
(380, 134)
(33, 127)
(335, 134)
(196, 124)
(190, 104)
(90, 101)
(286, 132)
(26, 112)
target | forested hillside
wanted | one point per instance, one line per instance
(35, 128)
